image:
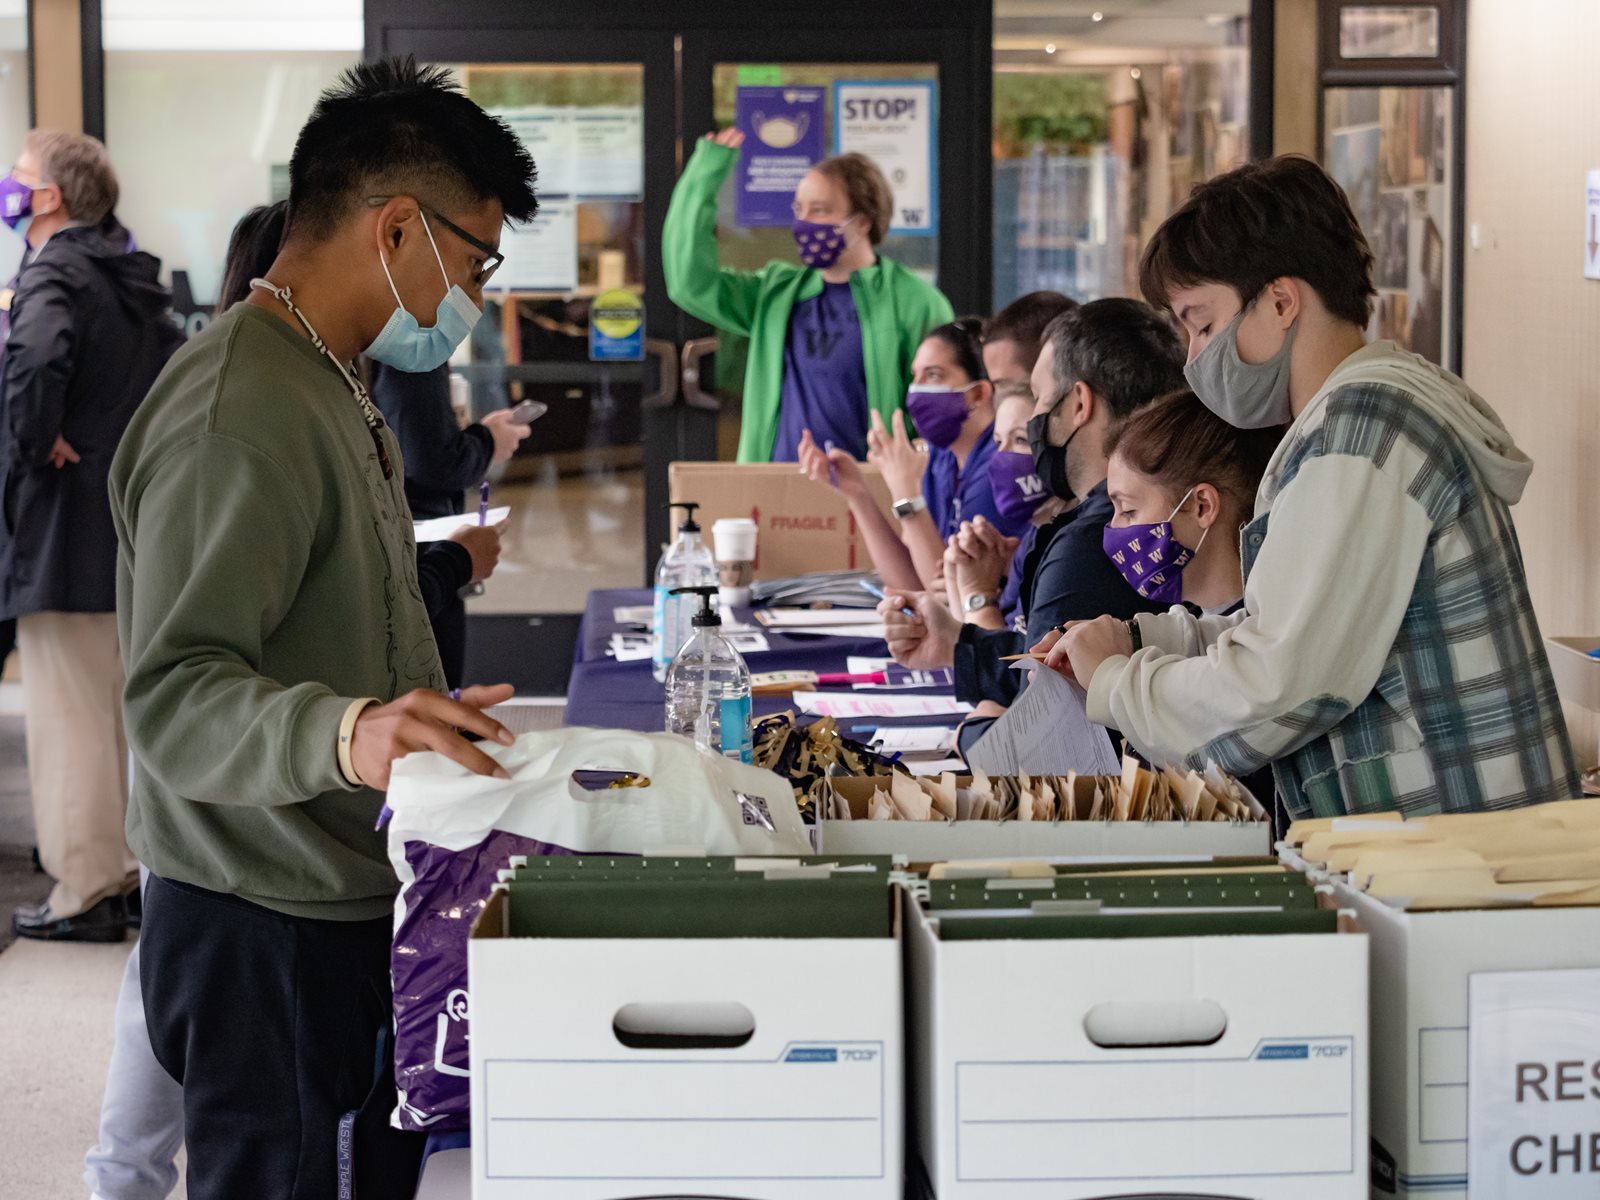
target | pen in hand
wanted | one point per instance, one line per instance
(483, 503)
(873, 589)
(833, 471)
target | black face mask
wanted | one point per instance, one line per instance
(1050, 462)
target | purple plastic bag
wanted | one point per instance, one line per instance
(428, 962)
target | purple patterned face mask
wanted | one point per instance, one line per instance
(820, 245)
(1150, 558)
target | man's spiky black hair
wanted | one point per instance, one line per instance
(395, 128)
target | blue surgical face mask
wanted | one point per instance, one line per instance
(404, 344)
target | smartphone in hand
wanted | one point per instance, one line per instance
(529, 411)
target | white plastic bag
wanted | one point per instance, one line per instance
(451, 832)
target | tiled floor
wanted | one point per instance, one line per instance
(566, 536)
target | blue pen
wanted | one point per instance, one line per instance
(483, 503)
(833, 471)
(873, 589)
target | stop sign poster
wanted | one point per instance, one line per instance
(894, 123)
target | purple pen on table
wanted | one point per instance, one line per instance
(483, 503)
(833, 471)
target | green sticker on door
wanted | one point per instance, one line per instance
(760, 75)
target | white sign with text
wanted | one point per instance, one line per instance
(1533, 1086)
(894, 124)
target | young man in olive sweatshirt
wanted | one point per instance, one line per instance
(277, 649)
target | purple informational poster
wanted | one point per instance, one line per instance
(783, 138)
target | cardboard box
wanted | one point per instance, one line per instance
(810, 1107)
(802, 526)
(941, 841)
(1421, 967)
(1011, 1097)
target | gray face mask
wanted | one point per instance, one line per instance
(1245, 395)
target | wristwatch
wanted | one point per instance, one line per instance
(977, 602)
(909, 507)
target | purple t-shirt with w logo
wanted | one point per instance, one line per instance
(824, 376)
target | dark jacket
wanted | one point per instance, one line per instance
(442, 460)
(1066, 577)
(90, 331)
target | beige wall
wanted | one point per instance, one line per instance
(1294, 77)
(1532, 325)
(57, 65)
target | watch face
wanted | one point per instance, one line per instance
(974, 603)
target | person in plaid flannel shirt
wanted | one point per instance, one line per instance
(1387, 656)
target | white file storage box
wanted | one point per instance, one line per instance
(809, 1107)
(1422, 964)
(1012, 1098)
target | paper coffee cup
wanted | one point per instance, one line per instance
(733, 539)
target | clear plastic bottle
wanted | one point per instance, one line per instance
(708, 685)
(687, 563)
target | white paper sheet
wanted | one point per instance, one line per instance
(939, 740)
(924, 766)
(747, 643)
(439, 529)
(857, 664)
(835, 704)
(638, 614)
(816, 618)
(1046, 732)
(630, 647)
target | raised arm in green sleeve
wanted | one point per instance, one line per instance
(696, 281)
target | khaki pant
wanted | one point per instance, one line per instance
(77, 755)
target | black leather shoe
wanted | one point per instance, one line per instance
(105, 922)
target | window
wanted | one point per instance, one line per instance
(1104, 120)
(203, 102)
(15, 90)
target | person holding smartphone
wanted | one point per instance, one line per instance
(442, 462)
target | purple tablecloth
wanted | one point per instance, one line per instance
(607, 694)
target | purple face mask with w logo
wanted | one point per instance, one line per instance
(1018, 490)
(1150, 558)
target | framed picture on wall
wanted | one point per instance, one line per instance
(1391, 135)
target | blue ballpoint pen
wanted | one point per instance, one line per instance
(873, 589)
(833, 471)
(483, 503)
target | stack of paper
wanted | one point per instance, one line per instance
(1545, 855)
(821, 622)
(840, 588)
(846, 705)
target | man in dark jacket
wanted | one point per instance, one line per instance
(1099, 364)
(89, 331)
(442, 460)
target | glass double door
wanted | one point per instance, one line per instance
(580, 319)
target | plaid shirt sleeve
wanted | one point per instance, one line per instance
(1326, 596)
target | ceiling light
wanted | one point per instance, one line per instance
(1136, 73)
(1049, 47)
(1099, 16)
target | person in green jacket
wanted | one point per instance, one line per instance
(831, 338)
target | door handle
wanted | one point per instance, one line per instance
(666, 355)
(694, 395)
